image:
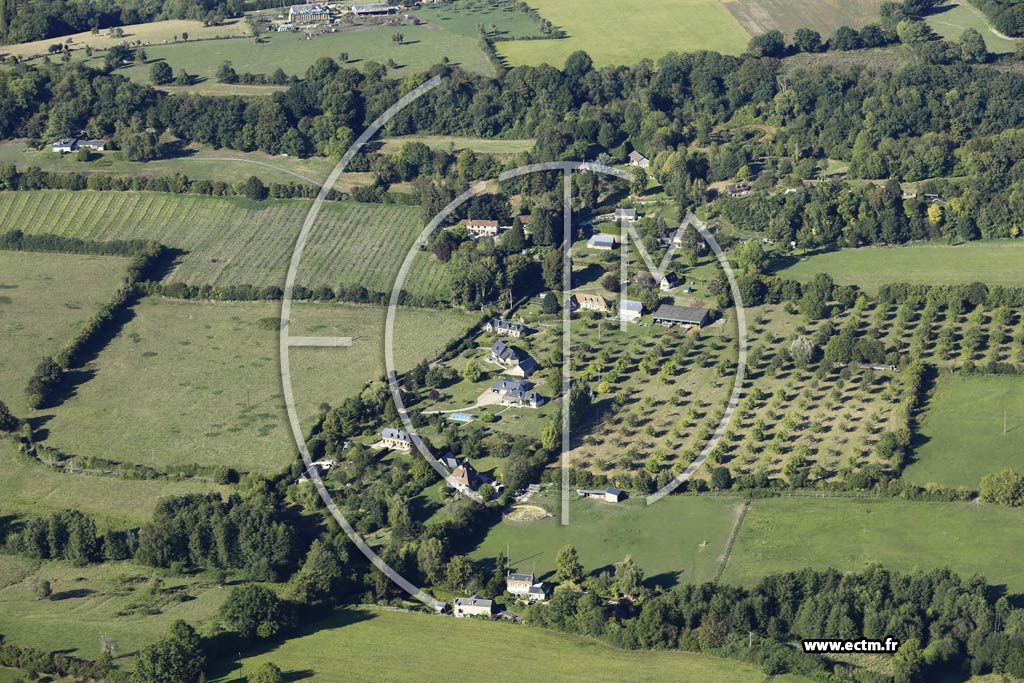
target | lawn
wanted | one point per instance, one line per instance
(787, 534)
(199, 382)
(378, 646)
(626, 31)
(996, 262)
(824, 16)
(29, 488)
(237, 241)
(951, 20)
(111, 599)
(423, 47)
(679, 539)
(962, 433)
(44, 299)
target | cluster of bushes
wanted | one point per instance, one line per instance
(35, 661)
(34, 178)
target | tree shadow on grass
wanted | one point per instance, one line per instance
(225, 648)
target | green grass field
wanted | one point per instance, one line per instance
(952, 22)
(824, 16)
(44, 299)
(963, 431)
(424, 47)
(626, 31)
(680, 539)
(30, 488)
(787, 534)
(378, 646)
(500, 18)
(992, 262)
(154, 32)
(237, 241)
(199, 382)
(99, 600)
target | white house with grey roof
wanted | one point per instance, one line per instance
(630, 311)
(396, 439)
(504, 355)
(639, 160)
(473, 606)
(505, 328)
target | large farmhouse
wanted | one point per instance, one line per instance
(526, 586)
(472, 606)
(309, 13)
(396, 439)
(588, 302)
(481, 228)
(505, 328)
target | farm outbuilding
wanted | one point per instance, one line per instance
(688, 316)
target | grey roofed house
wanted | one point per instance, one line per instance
(601, 241)
(610, 494)
(374, 8)
(503, 353)
(65, 145)
(668, 281)
(506, 384)
(638, 159)
(528, 366)
(625, 214)
(682, 315)
(97, 145)
(630, 310)
(471, 606)
(521, 398)
(505, 327)
(449, 461)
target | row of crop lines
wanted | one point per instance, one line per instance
(366, 244)
(997, 333)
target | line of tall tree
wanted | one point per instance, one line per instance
(49, 374)
(34, 178)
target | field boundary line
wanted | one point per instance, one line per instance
(732, 541)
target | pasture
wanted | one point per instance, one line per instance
(119, 600)
(952, 19)
(680, 539)
(29, 488)
(237, 241)
(787, 534)
(993, 262)
(626, 31)
(423, 47)
(500, 18)
(962, 435)
(824, 16)
(199, 382)
(382, 646)
(44, 300)
(151, 33)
